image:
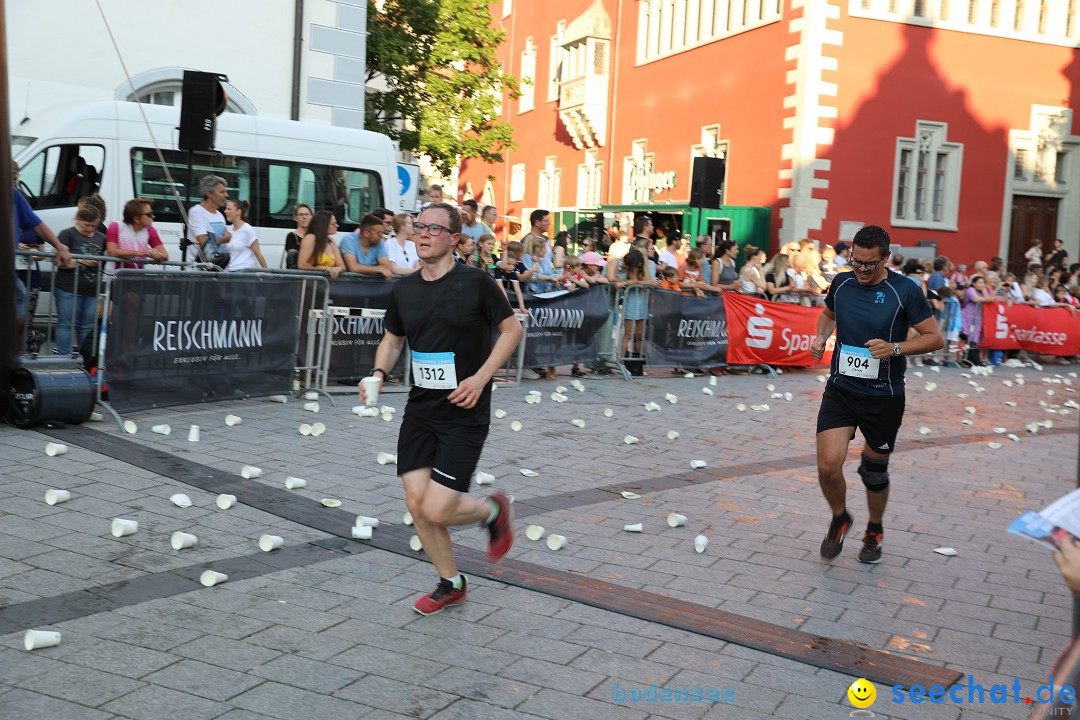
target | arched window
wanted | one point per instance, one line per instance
(163, 86)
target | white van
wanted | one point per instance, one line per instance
(272, 163)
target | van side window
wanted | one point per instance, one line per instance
(348, 192)
(61, 174)
(150, 181)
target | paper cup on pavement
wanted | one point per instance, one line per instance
(180, 500)
(483, 478)
(516, 426)
(193, 433)
(317, 429)
(210, 578)
(534, 532)
(700, 543)
(630, 440)
(671, 398)
(122, 527)
(676, 520)
(407, 518)
(698, 464)
(250, 472)
(37, 639)
(233, 420)
(385, 458)
(161, 429)
(388, 409)
(556, 542)
(305, 429)
(415, 544)
(578, 422)
(371, 387)
(53, 449)
(225, 501)
(130, 427)
(295, 483)
(365, 521)
(673, 435)
(54, 497)
(311, 395)
(96, 417)
(278, 399)
(181, 540)
(270, 542)
(311, 407)
(608, 412)
(636, 527)
(361, 532)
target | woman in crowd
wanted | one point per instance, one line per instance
(243, 245)
(976, 294)
(724, 277)
(630, 271)
(302, 217)
(827, 265)
(400, 248)
(559, 250)
(751, 279)
(463, 251)
(135, 237)
(539, 273)
(77, 299)
(318, 251)
(486, 259)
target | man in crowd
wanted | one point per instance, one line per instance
(937, 278)
(28, 221)
(669, 256)
(206, 224)
(489, 216)
(865, 390)
(843, 250)
(1057, 257)
(447, 312)
(540, 221)
(643, 230)
(470, 221)
(364, 251)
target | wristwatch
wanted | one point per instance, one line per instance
(896, 349)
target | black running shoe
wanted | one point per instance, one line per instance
(834, 539)
(871, 548)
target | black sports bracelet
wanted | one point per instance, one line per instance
(375, 370)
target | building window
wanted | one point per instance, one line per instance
(517, 182)
(1059, 168)
(548, 189)
(1044, 10)
(507, 8)
(1020, 164)
(590, 179)
(556, 62)
(926, 187)
(1018, 17)
(995, 13)
(973, 11)
(1070, 18)
(528, 77)
(666, 27)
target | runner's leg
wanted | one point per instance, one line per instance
(832, 449)
(876, 501)
(434, 508)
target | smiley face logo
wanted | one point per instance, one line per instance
(862, 693)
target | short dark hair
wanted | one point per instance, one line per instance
(471, 204)
(940, 263)
(537, 215)
(898, 259)
(872, 236)
(382, 213)
(640, 222)
(455, 216)
(371, 220)
(913, 266)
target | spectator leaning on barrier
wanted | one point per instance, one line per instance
(620, 247)
(629, 272)
(318, 251)
(77, 300)
(971, 314)
(559, 250)
(302, 217)
(135, 237)
(668, 257)
(464, 250)
(400, 248)
(470, 221)
(206, 224)
(364, 251)
(540, 221)
(692, 274)
(751, 278)
(843, 250)
(723, 276)
(243, 245)
(937, 278)
(486, 258)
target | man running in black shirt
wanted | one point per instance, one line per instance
(447, 312)
(871, 311)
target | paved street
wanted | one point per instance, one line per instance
(324, 628)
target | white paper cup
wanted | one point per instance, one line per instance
(483, 478)
(556, 542)
(407, 518)
(311, 407)
(305, 429)
(210, 578)
(54, 497)
(225, 501)
(278, 399)
(651, 406)
(673, 435)
(516, 426)
(317, 429)
(630, 440)
(53, 449)
(193, 433)
(415, 544)
(181, 540)
(707, 390)
(311, 395)
(608, 412)
(537, 393)
(250, 472)
(371, 387)
(270, 542)
(676, 520)
(636, 527)
(295, 483)
(361, 532)
(500, 413)
(130, 427)
(387, 417)
(96, 417)
(534, 532)
(578, 422)
(698, 464)
(671, 398)
(180, 500)
(37, 639)
(233, 420)
(388, 409)
(365, 521)
(712, 381)
(161, 429)
(122, 527)
(700, 543)
(385, 458)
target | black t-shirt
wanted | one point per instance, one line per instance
(519, 267)
(1059, 257)
(79, 244)
(454, 314)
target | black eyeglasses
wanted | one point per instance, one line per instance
(149, 214)
(432, 228)
(860, 265)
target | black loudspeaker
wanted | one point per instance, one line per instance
(42, 394)
(203, 100)
(707, 185)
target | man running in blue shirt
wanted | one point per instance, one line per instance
(871, 311)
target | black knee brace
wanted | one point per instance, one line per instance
(874, 473)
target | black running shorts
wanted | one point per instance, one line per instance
(450, 449)
(877, 416)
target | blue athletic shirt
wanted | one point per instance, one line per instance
(883, 311)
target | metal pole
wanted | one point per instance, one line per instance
(8, 351)
(1076, 600)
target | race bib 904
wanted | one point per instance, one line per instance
(434, 371)
(858, 362)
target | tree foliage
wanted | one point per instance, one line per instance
(443, 80)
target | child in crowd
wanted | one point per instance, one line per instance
(950, 321)
(592, 263)
(692, 275)
(507, 272)
(573, 276)
(959, 278)
(668, 279)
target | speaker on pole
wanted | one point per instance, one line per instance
(707, 184)
(202, 101)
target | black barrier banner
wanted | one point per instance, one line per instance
(357, 317)
(564, 329)
(685, 332)
(180, 338)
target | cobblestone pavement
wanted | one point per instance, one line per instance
(335, 636)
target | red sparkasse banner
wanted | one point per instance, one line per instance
(1052, 331)
(760, 331)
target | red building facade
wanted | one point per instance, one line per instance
(947, 121)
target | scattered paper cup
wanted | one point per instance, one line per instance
(317, 429)
(777, 396)
(675, 519)
(698, 464)
(193, 433)
(361, 532)
(688, 375)
(385, 458)
(630, 440)
(651, 406)
(161, 429)
(130, 427)
(707, 390)
(578, 422)
(233, 420)
(210, 578)
(577, 385)
(1001, 430)
(365, 521)
(311, 407)
(122, 527)
(673, 435)
(388, 409)
(415, 544)
(250, 472)
(270, 542)
(630, 495)
(371, 387)
(305, 429)
(180, 500)
(331, 502)
(226, 501)
(536, 393)
(534, 532)
(516, 426)
(53, 449)
(407, 518)
(712, 381)
(529, 473)
(770, 387)
(181, 540)
(608, 412)
(483, 478)
(295, 483)
(946, 551)
(278, 399)
(636, 527)
(556, 542)
(788, 397)
(558, 397)
(970, 410)
(96, 417)
(37, 639)
(994, 445)
(671, 398)
(311, 395)
(500, 414)
(700, 543)
(387, 416)
(55, 497)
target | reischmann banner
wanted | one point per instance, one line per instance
(684, 331)
(563, 327)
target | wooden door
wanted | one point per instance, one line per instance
(1032, 217)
